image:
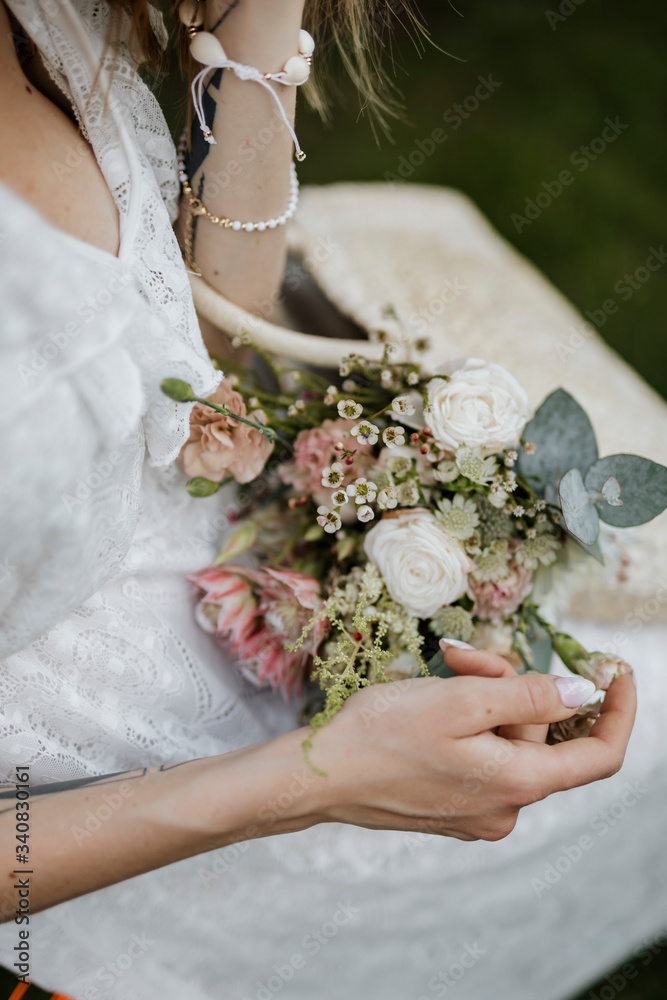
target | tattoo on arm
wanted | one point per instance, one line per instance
(114, 778)
(199, 148)
(225, 14)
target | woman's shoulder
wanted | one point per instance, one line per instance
(44, 158)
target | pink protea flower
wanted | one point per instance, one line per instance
(496, 600)
(220, 446)
(256, 612)
(228, 606)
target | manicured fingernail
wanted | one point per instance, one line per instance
(574, 691)
(446, 643)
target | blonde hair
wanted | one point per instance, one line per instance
(354, 29)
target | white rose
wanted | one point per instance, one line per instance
(482, 406)
(422, 567)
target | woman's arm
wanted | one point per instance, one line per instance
(245, 175)
(429, 759)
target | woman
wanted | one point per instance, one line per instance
(140, 748)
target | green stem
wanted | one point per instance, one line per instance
(268, 432)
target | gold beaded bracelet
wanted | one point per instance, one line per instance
(197, 207)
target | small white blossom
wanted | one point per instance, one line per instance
(344, 369)
(339, 498)
(329, 399)
(533, 551)
(403, 405)
(292, 410)
(253, 403)
(381, 477)
(333, 475)
(386, 378)
(475, 467)
(446, 471)
(350, 409)
(365, 513)
(540, 504)
(394, 437)
(365, 432)
(518, 511)
(362, 490)
(332, 390)
(498, 497)
(408, 494)
(454, 622)
(510, 458)
(458, 517)
(388, 498)
(493, 562)
(349, 385)
(413, 378)
(399, 465)
(328, 519)
(300, 405)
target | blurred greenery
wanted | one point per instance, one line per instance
(561, 75)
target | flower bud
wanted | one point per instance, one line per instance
(200, 487)
(601, 668)
(237, 543)
(177, 389)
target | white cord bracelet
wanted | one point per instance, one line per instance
(206, 49)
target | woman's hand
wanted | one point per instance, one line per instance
(425, 755)
(430, 755)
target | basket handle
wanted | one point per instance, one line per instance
(325, 352)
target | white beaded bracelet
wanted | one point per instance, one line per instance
(206, 49)
(198, 208)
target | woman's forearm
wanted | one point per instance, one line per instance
(87, 834)
(419, 761)
(245, 175)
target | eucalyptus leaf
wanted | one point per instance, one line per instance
(581, 517)
(564, 439)
(611, 492)
(643, 488)
(593, 550)
(541, 648)
(437, 667)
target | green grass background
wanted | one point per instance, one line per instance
(559, 81)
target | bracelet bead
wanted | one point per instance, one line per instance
(198, 208)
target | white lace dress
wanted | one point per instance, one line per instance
(105, 669)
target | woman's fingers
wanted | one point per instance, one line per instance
(477, 663)
(474, 662)
(486, 702)
(597, 756)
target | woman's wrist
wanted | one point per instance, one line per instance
(267, 788)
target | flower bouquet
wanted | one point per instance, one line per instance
(394, 509)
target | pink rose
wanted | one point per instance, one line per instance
(256, 612)
(220, 447)
(496, 600)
